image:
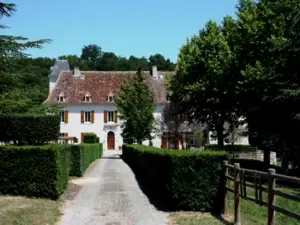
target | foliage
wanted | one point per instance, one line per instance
(91, 55)
(90, 138)
(40, 171)
(82, 156)
(173, 123)
(238, 148)
(135, 102)
(188, 180)
(14, 96)
(245, 68)
(204, 85)
(29, 129)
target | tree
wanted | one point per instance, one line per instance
(204, 84)
(12, 96)
(161, 62)
(135, 103)
(109, 62)
(75, 61)
(91, 55)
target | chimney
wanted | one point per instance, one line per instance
(77, 72)
(154, 72)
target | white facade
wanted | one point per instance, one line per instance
(74, 127)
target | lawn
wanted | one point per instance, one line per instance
(16, 210)
(193, 218)
(251, 214)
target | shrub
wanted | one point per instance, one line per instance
(40, 171)
(82, 156)
(29, 129)
(90, 138)
(188, 180)
(231, 148)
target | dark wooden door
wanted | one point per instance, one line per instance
(111, 141)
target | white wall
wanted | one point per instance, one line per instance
(74, 127)
(157, 115)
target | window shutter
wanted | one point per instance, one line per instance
(92, 116)
(66, 117)
(105, 116)
(116, 117)
(82, 116)
(82, 137)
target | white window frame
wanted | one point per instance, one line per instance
(61, 135)
(110, 116)
(110, 97)
(62, 116)
(87, 97)
(87, 116)
(61, 97)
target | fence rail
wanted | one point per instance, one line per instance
(240, 191)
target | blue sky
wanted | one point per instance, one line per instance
(125, 27)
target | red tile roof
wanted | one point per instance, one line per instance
(99, 84)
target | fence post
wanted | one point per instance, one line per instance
(237, 211)
(225, 173)
(271, 197)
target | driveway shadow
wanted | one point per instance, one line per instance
(155, 197)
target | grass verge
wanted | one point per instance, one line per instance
(17, 210)
(251, 213)
(193, 218)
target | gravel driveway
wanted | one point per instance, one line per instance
(111, 196)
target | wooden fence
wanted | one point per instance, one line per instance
(240, 191)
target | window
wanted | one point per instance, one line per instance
(62, 116)
(87, 98)
(61, 97)
(61, 136)
(110, 97)
(110, 116)
(87, 116)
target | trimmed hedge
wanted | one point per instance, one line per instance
(27, 129)
(40, 171)
(231, 148)
(188, 180)
(82, 156)
(90, 138)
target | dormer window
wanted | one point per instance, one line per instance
(61, 97)
(110, 97)
(87, 97)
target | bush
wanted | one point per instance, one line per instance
(29, 129)
(90, 138)
(188, 180)
(82, 156)
(231, 148)
(40, 171)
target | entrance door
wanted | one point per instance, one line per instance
(110, 140)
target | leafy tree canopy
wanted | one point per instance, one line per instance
(135, 102)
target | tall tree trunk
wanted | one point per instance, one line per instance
(267, 156)
(220, 129)
(220, 138)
